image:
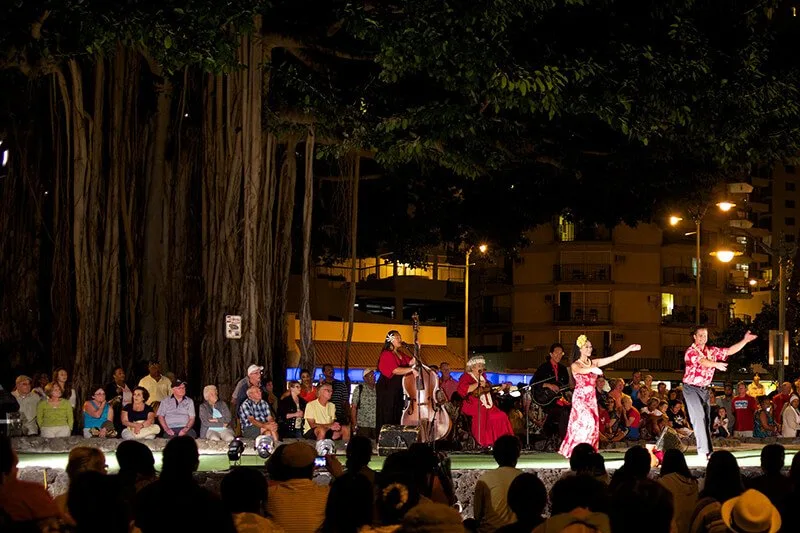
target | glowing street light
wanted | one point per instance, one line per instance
(726, 206)
(725, 255)
(483, 248)
(753, 282)
(674, 221)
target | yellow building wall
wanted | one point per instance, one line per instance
(637, 268)
(752, 306)
(535, 268)
(633, 307)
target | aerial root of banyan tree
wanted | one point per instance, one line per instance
(170, 206)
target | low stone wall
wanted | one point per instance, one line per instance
(464, 480)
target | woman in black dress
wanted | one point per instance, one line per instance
(290, 413)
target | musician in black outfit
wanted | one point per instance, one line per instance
(557, 411)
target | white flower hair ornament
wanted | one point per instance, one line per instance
(389, 337)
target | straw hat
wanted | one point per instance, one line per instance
(752, 512)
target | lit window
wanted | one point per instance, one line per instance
(667, 303)
(566, 229)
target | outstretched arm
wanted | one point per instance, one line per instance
(617, 356)
(739, 345)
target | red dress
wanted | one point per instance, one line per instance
(584, 422)
(488, 425)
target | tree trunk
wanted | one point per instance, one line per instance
(307, 356)
(351, 295)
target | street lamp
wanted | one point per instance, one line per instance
(782, 254)
(697, 216)
(482, 249)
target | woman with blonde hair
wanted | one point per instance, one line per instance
(81, 459)
(215, 417)
(54, 415)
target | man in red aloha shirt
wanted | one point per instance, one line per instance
(701, 362)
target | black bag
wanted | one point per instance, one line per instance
(396, 438)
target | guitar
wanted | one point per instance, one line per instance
(542, 396)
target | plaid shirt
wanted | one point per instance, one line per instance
(260, 411)
(697, 374)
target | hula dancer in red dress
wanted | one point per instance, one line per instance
(488, 422)
(584, 421)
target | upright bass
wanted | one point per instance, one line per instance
(421, 392)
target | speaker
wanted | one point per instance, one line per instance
(396, 438)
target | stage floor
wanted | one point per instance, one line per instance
(528, 461)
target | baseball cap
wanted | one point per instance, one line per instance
(254, 368)
(178, 382)
(298, 455)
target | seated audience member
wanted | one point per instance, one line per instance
(397, 495)
(641, 502)
(632, 418)
(21, 501)
(751, 512)
(54, 415)
(612, 428)
(176, 414)
(677, 479)
(28, 402)
(359, 454)
(98, 416)
(255, 416)
(96, 504)
(200, 510)
(763, 423)
(118, 395)
(490, 506)
(245, 493)
(136, 471)
(158, 386)
(321, 417)
(577, 501)
(719, 427)
(429, 517)
(653, 419)
(580, 462)
(723, 481)
(678, 420)
(350, 505)
(527, 498)
(790, 416)
(81, 459)
(433, 480)
(772, 483)
(215, 417)
(636, 466)
(138, 417)
(291, 410)
(296, 503)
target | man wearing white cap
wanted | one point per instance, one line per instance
(363, 406)
(253, 379)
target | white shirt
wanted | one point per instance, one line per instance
(791, 421)
(158, 389)
(27, 410)
(490, 503)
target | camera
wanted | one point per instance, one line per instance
(319, 462)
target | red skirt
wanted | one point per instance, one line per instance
(488, 425)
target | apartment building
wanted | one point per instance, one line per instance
(618, 286)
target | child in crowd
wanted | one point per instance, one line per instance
(720, 424)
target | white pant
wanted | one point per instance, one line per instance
(55, 432)
(224, 435)
(150, 432)
(743, 434)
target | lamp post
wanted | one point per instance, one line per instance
(782, 253)
(697, 216)
(482, 248)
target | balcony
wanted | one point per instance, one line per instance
(684, 316)
(582, 273)
(685, 276)
(496, 316)
(587, 314)
(580, 232)
(738, 290)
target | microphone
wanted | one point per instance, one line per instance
(406, 345)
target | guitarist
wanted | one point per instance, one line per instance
(557, 411)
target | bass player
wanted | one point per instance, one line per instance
(550, 382)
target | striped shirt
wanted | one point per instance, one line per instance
(298, 505)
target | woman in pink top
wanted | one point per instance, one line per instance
(393, 365)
